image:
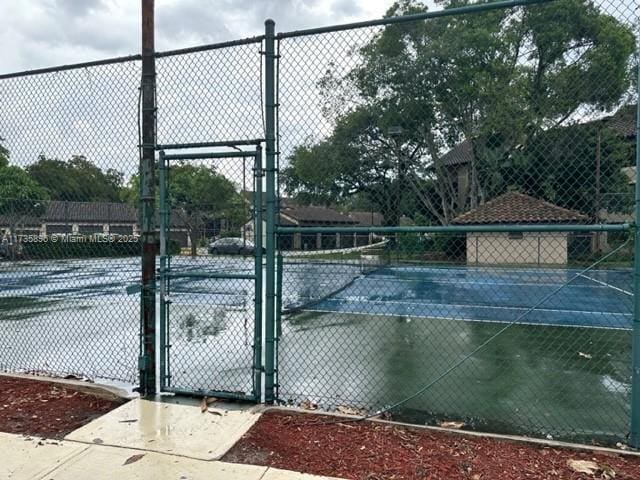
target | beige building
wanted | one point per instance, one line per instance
(518, 248)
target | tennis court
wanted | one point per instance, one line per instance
(374, 336)
(597, 298)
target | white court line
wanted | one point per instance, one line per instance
(475, 320)
(498, 269)
(455, 305)
(392, 279)
(608, 285)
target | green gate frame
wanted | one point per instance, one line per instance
(165, 272)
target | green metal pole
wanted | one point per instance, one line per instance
(163, 269)
(270, 126)
(447, 12)
(280, 265)
(463, 228)
(278, 312)
(257, 218)
(147, 359)
(634, 436)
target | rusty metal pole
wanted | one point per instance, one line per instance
(147, 359)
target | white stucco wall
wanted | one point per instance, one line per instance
(532, 249)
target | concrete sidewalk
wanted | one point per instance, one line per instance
(143, 439)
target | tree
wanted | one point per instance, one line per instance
(197, 195)
(560, 165)
(77, 179)
(499, 79)
(20, 197)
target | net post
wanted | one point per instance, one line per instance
(270, 110)
(634, 435)
(147, 360)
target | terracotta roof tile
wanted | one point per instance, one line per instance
(518, 208)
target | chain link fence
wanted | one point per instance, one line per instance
(474, 124)
(69, 237)
(454, 200)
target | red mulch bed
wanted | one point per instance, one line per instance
(44, 409)
(375, 451)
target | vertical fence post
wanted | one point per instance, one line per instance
(164, 229)
(257, 240)
(634, 437)
(270, 108)
(147, 360)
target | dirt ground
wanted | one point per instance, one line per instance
(44, 409)
(373, 451)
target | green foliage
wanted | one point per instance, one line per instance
(19, 194)
(560, 165)
(77, 179)
(501, 79)
(199, 195)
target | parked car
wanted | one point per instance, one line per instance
(232, 245)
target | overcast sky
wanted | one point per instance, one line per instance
(40, 33)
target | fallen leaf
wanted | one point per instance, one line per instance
(608, 473)
(583, 466)
(214, 412)
(99, 441)
(454, 425)
(347, 410)
(203, 405)
(211, 400)
(133, 459)
(133, 420)
(585, 355)
(308, 405)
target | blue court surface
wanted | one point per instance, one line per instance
(596, 299)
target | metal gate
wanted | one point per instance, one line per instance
(210, 331)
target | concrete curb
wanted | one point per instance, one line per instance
(107, 392)
(468, 433)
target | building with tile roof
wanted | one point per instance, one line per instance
(518, 248)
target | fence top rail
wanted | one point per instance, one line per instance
(211, 46)
(463, 228)
(474, 8)
(230, 143)
(208, 155)
(71, 66)
(132, 58)
(296, 33)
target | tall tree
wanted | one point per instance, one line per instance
(197, 195)
(77, 179)
(497, 79)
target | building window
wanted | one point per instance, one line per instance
(516, 235)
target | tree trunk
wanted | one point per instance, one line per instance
(193, 234)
